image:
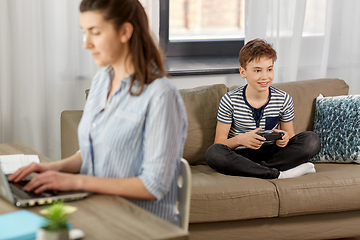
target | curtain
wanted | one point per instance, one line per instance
(313, 38)
(43, 69)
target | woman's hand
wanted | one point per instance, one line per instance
(71, 164)
(33, 167)
(251, 139)
(285, 139)
(53, 180)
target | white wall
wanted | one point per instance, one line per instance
(200, 80)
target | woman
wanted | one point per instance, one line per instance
(134, 125)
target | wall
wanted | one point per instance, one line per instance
(200, 80)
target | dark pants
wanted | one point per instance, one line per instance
(267, 161)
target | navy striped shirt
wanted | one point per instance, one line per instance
(135, 136)
(234, 109)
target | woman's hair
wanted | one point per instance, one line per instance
(254, 50)
(146, 56)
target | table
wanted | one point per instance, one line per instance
(104, 216)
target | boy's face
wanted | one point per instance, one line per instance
(259, 74)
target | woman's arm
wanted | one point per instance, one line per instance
(59, 176)
(71, 164)
(125, 187)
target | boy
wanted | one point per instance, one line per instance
(257, 108)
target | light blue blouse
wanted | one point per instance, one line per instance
(135, 136)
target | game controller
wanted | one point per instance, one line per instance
(272, 136)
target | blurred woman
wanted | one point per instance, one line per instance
(134, 124)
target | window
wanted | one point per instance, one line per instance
(199, 28)
(315, 18)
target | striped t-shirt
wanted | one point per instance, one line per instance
(234, 109)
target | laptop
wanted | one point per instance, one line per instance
(14, 193)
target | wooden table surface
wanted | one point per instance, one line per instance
(104, 216)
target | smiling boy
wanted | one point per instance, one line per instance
(256, 108)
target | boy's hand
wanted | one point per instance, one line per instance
(285, 139)
(252, 140)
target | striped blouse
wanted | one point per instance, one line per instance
(135, 136)
(234, 109)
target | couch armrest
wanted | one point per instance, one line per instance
(69, 138)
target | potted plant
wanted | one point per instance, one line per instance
(56, 227)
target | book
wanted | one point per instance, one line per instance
(11, 163)
(20, 225)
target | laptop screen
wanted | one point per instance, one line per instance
(5, 191)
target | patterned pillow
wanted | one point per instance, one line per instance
(337, 122)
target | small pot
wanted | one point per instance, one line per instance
(43, 234)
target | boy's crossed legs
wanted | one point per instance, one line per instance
(269, 161)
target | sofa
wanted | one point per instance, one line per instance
(324, 205)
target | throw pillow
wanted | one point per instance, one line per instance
(337, 124)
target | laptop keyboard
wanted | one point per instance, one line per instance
(17, 190)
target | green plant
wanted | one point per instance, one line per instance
(57, 216)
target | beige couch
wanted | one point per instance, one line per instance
(325, 205)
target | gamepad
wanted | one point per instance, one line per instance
(272, 136)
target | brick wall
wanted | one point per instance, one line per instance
(193, 14)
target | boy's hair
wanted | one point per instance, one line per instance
(254, 50)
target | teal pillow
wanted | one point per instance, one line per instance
(337, 124)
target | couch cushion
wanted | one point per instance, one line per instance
(334, 188)
(304, 94)
(201, 106)
(216, 197)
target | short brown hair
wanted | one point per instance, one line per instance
(256, 49)
(147, 57)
